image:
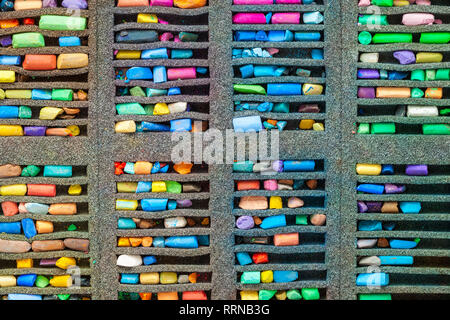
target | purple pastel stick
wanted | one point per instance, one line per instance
(48, 262)
(75, 4)
(34, 131)
(245, 222)
(49, 4)
(368, 74)
(417, 170)
(277, 166)
(374, 206)
(390, 188)
(405, 57)
(362, 207)
(366, 92)
(184, 203)
(6, 41)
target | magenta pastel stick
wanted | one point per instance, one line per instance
(252, 2)
(166, 36)
(181, 73)
(288, 1)
(286, 18)
(162, 3)
(249, 18)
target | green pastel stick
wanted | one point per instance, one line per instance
(251, 277)
(383, 128)
(373, 19)
(53, 22)
(243, 166)
(28, 40)
(436, 129)
(62, 94)
(443, 74)
(435, 37)
(130, 108)
(364, 128)
(445, 112)
(383, 3)
(25, 112)
(149, 109)
(365, 37)
(417, 93)
(375, 296)
(430, 75)
(137, 92)
(310, 294)
(301, 219)
(392, 38)
(418, 75)
(266, 294)
(250, 89)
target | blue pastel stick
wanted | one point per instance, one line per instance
(243, 258)
(29, 228)
(26, 280)
(284, 89)
(148, 260)
(284, 276)
(129, 278)
(181, 125)
(126, 223)
(370, 188)
(182, 242)
(402, 244)
(410, 207)
(10, 227)
(293, 165)
(69, 41)
(10, 60)
(396, 260)
(273, 222)
(41, 94)
(247, 124)
(23, 296)
(152, 126)
(9, 112)
(139, 73)
(245, 35)
(372, 279)
(307, 36)
(152, 205)
(159, 53)
(370, 226)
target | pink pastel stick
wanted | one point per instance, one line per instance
(423, 2)
(286, 18)
(252, 2)
(364, 3)
(249, 18)
(417, 19)
(181, 73)
(270, 185)
(176, 39)
(288, 1)
(161, 3)
(22, 208)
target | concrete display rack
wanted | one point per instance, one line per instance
(328, 258)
